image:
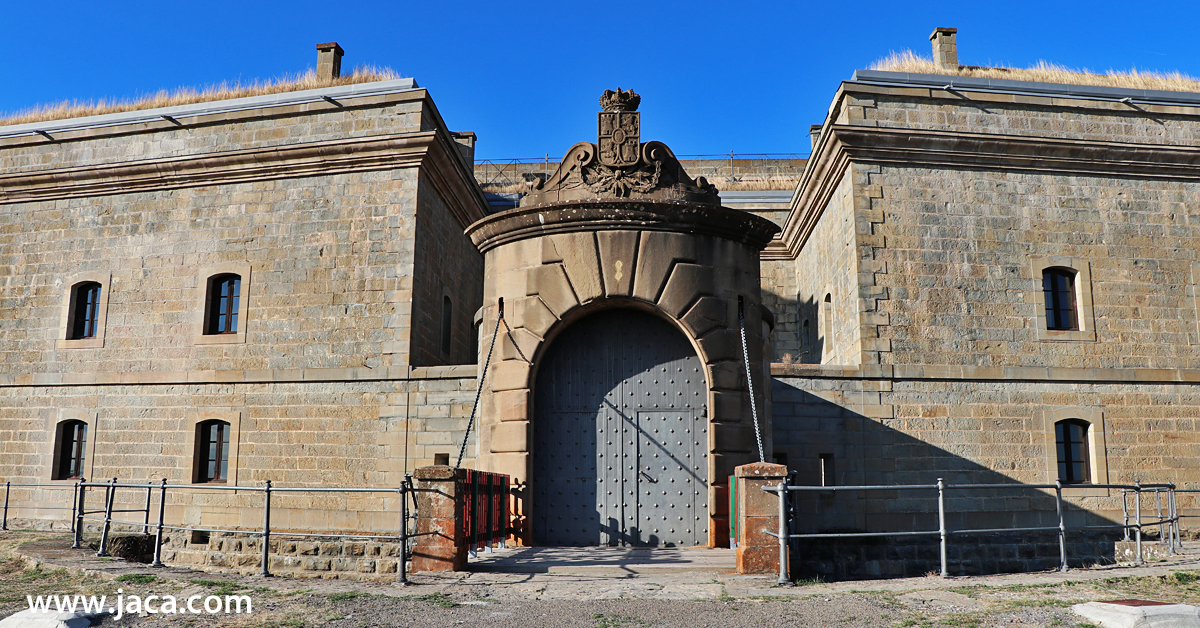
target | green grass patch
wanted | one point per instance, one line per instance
(138, 578)
(346, 596)
(439, 599)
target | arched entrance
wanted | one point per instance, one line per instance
(620, 447)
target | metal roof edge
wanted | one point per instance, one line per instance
(1026, 87)
(357, 90)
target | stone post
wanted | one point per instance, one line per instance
(439, 511)
(945, 48)
(329, 61)
(757, 510)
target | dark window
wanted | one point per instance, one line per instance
(70, 448)
(85, 311)
(1071, 442)
(827, 476)
(223, 293)
(1058, 285)
(212, 452)
(441, 459)
(447, 321)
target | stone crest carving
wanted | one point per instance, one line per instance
(620, 128)
(619, 165)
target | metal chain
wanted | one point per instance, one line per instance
(483, 376)
(750, 384)
(508, 332)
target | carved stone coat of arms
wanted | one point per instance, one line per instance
(620, 128)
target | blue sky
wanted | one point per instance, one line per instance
(745, 76)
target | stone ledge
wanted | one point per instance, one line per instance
(1007, 373)
(249, 376)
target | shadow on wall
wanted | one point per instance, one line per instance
(828, 444)
(796, 341)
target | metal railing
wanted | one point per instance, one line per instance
(1168, 526)
(79, 514)
(8, 486)
(485, 511)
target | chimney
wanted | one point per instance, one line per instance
(945, 50)
(814, 134)
(329, 61)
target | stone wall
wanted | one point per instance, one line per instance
(238, 130)
(958, 253)
(901, 430)
(352, 434)
(1030, 116)
(323, 259)
(828, 266)
(446, 265)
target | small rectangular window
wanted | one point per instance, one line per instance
(85, 310)
(71, 449)
(1058, 287)
(212, 451)
(827, 473)
(1070, 438)
(224, 292)
(441, 459)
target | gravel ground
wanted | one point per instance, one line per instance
(38, 564)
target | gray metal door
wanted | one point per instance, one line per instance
(620, 436)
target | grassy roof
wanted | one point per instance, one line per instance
(1044, 72)
(190, 95)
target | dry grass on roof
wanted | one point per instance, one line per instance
(189, 95)
(1044, 72)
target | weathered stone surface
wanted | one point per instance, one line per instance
(582, 263)
(657, 250)
(685, 285)
(618, 255)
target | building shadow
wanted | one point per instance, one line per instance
(826, 444)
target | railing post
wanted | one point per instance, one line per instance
(491, 512)
(74, 499)
(162, 510)
(1158, 504)
(1175, 513)
(1062, 526)
(7, 488)
(78, 544)
(149, 492)
(1137, 515)
(1125, 512)
(783, 535)
(941, 487)
(108, 507)
(1173, 520)
(402, 566)
(266, 533)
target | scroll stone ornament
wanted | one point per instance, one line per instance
(620, 166)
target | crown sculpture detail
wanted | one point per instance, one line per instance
(619, 165)
(619, 100)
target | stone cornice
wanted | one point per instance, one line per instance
(531, 222)
(253, 376)
(433, 149)
(842, 144)
(988, 373)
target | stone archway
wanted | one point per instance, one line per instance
(620, 436)
(621, 225)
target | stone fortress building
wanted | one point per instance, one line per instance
(977, 279)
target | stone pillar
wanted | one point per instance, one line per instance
(757, 510)
(439, 511)
(329, 61)
(945, 49)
